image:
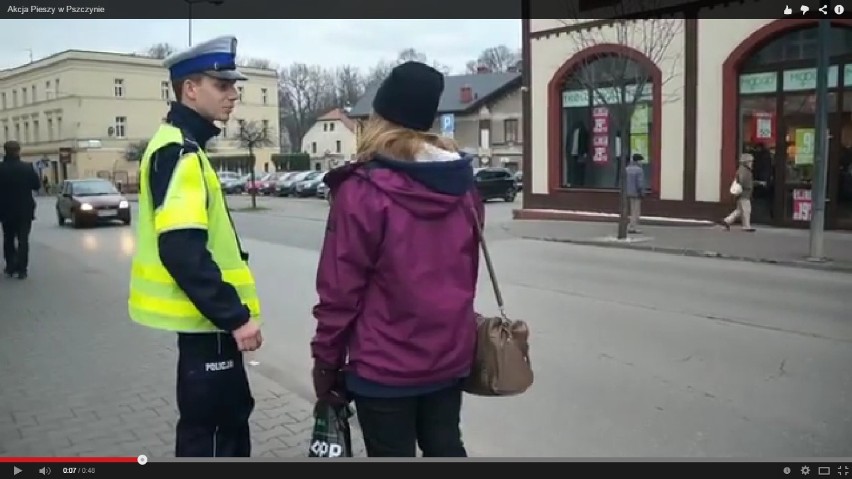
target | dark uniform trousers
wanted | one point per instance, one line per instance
(213, 396)
(17, 256)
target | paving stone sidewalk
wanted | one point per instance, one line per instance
(784, 246)
(77, 378)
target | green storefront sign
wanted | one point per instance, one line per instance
(604, 96)
(792, 80)
(805, 78)
(758, 83)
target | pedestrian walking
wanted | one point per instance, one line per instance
(635, 191)
(18, 183)
(397, 276)
(190, 274)
(742, 188)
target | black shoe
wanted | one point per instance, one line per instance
(22, 275)
(8, 272)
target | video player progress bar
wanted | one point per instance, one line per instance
(48, 460)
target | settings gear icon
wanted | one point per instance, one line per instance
(806, 470)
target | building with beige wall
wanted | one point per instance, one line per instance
(79, 111)
(330, 141)
(707, 99)
(486, 111)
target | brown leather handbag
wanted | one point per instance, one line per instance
(502, 364)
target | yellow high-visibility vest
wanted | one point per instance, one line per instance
(155, 299)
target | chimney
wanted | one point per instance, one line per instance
(482, 69)
(466, 94)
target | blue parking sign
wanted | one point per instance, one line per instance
(448, 124)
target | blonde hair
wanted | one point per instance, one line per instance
(380, 136)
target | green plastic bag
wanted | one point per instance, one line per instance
(332, 435)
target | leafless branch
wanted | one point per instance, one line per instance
(252, 135)
(649, 37)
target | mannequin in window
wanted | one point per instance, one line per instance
(576, 152)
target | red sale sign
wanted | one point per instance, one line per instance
(802, 205)
(600, 135)
(764, 128)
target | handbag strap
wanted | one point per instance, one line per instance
(481, 240)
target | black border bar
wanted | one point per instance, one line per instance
(296, 467)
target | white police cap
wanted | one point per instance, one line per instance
(216, 58)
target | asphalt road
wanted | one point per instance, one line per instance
(636, 354)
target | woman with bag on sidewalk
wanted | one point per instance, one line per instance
(396, 327)
(742, 188)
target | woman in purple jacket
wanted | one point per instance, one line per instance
(397, 276)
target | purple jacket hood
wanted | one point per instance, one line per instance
(427, 189)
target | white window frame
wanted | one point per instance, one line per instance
(121, 127)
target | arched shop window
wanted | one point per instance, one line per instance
(594, 97)
(776, 120)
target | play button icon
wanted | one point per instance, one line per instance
(17, 471)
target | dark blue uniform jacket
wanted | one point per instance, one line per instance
(184, 252)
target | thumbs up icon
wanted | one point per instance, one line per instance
(788, 10)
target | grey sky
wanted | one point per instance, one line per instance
(325, 42)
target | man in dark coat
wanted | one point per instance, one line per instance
(18, 182)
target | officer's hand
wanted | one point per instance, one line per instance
(248, 336)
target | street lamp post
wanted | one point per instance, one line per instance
(189, 4)
(818, 190)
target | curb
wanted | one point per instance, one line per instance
(826, 266)
(521, 214)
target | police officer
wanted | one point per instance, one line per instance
(189, 273)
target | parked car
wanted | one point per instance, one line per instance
(322, 191)
(91, 201)
(270, 183)
(308, 186)
(495, 182)
(287, 187)
(261, 183)
(225, 175)
(234, 186)
(519, 180)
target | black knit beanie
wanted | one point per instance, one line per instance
(409, 96)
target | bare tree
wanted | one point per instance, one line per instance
(382, 69)
(160, 50)
(496, 59)
(305, 92)
(441, 67)
(251, 62)
(618, 84)
(349, 85)
(411, 55)
(253, 136)
(378, 73)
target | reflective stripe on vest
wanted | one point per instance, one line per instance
(155, 299)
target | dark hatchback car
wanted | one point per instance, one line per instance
(91, 201)
(495, 182)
